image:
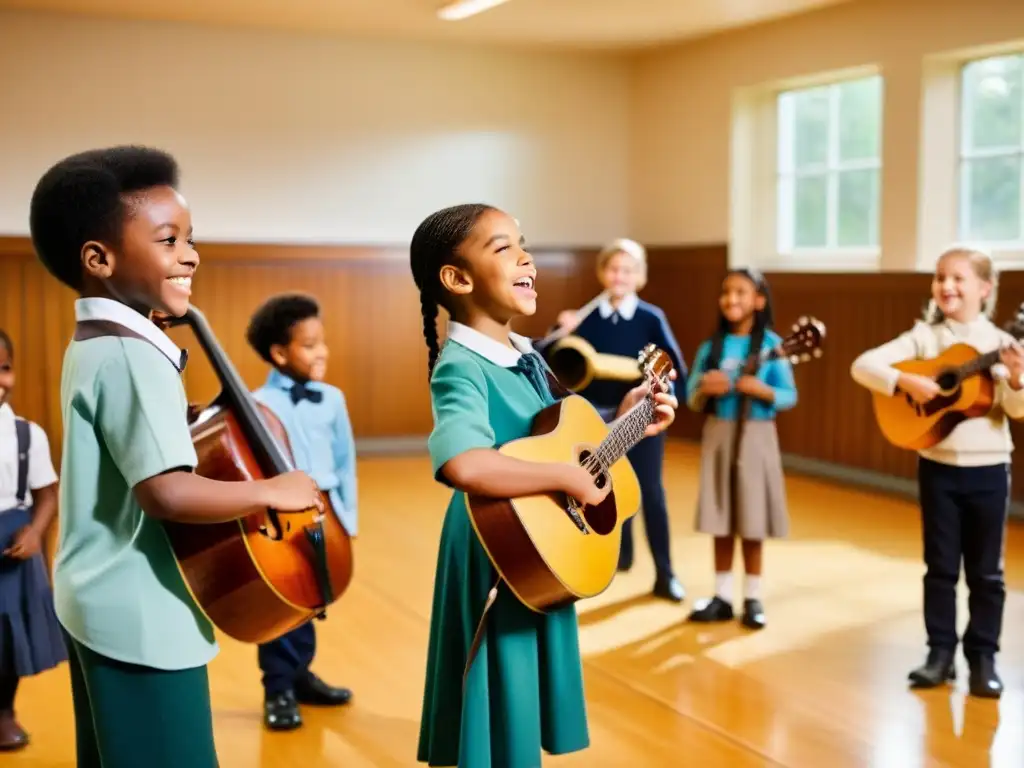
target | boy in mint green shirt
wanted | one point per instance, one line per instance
(111, 225)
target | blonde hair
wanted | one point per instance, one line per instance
(984, 268)
(630, 248)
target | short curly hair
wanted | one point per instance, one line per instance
(273, 322)
(87, 196)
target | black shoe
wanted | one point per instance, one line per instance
(985, 681)
(939, 668)
(715, 609)
(310, 689)
(668, 587)
(281, 712)
(753, 614)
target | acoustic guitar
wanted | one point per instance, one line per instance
(548, 548)
(258, 577)
(966, 390)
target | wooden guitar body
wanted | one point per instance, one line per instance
(909, 425)
(549, 554)
(256, 578)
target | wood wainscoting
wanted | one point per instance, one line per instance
(378, 358)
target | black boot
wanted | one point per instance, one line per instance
(939, 667)
(310, 689)
(985, 680)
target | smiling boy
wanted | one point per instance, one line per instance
(111, 225)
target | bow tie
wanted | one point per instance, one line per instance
(532, 366)
(300, 391)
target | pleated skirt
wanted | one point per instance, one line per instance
(761, 511)
(31, 640)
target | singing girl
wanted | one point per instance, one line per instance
(503, 682)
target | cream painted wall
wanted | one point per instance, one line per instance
(682, 103)
(303, 139)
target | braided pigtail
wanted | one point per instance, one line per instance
(434, 245)
(429, 308)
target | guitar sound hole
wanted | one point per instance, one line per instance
(601, 519)
(947, 381)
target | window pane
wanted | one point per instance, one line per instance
(858, 209)
(992, 99)
(810, 212)
(860, 123)
(992, 197)
(810, 125)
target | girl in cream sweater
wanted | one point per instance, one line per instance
(963, 481)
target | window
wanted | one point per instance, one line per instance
(829, 168)
(992, 151)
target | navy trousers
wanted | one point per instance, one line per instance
(287, 659)
(963, 514)
(647, 458)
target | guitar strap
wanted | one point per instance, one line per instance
(557, 392)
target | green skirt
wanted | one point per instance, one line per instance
(524, 691)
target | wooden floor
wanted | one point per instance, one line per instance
(822, 687)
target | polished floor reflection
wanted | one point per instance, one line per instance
(822, 687)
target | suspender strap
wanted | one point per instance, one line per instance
(21, 427)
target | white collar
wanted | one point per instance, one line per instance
(627, 307)
(96, 308)
(487, 347)
(6, 412)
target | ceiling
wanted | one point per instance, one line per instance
(558, 23)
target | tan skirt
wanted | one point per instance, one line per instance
(761, 512)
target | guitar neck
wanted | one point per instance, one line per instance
(266, 450)
(979, 364)
(626, 432)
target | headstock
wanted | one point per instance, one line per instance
(656, 366)
(804, 343)
(1015, 327)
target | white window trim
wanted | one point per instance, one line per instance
(940, 181)
(753, 227)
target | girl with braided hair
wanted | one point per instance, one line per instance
(502, 682)
(743, 498)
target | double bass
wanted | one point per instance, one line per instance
(260, 576)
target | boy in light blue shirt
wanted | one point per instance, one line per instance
(286, 331)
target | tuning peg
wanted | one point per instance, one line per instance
(794, 359)
(818, 353)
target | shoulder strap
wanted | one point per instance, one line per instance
(94, 329)
(24, 433)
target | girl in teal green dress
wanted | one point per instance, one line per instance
(505, 683)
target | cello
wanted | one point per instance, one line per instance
(262, 575)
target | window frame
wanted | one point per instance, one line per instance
(1005, 252)
(786, 175)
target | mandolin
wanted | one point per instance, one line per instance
(260, 576)
(548, 548)
(966, 390)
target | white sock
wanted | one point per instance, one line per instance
(752, 587)
(723, 585)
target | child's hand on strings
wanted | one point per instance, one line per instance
(920, 388)
(714, 383)
(582, 486)
(27, 543)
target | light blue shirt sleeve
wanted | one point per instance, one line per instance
(779, 377)
(344, 449)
